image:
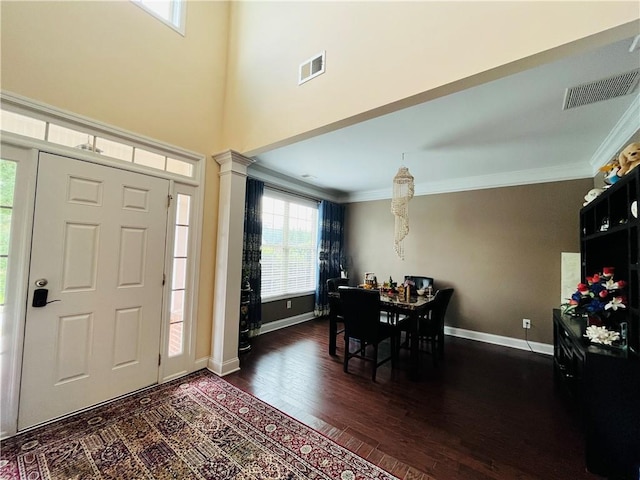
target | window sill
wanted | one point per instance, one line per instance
(287, 296)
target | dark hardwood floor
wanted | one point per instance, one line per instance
(487, 412)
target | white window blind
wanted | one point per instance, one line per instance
(289, 244)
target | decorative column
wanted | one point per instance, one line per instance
(228, 279)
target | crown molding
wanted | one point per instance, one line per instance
(626, 127)
(507, 179)
(574, 171)
(290, 184)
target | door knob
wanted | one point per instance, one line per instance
(41, 282)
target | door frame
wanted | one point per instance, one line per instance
(27, 177)
(21, 234)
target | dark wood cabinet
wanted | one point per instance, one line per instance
(603, 388)
(603, 383)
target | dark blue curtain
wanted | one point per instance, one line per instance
(330, 246)
(252, 251)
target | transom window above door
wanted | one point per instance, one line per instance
(84, 139)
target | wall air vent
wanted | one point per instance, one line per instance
(604, 89)
(311, 68)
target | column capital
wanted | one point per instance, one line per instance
(232, 161)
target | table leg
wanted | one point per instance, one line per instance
(414, 345)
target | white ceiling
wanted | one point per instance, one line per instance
(506, 132)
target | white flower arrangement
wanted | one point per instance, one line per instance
(601, 335)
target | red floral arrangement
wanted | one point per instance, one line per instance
(598, 297)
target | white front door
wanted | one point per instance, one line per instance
(99, 244)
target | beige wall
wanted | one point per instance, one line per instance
(113, 62)
(499, 248)
(383, 52)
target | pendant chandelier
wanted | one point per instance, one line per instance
(402, 193)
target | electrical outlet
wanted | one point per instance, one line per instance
(526, 323)
(288, 303)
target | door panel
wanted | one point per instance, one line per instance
(126, 347)
(74, 347)
(80, 256)
(131, 271)
(99, 241)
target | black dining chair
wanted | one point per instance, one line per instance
(335, 311)
(431, 325)
(361, 312)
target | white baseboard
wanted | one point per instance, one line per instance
(200, 363)
(286, 322)
(520, 344)
(224, 368)
(537, 347)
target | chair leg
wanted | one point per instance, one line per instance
(346, 354)
(333, 333)
(395, 347)
(434, 350)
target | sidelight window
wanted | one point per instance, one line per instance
(7, 183)
(179, 284)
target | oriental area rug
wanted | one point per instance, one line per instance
(198, 427)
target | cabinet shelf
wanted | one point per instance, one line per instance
(610, 231)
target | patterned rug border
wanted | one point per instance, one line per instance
(98, 419)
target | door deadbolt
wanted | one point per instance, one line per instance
(41, 282)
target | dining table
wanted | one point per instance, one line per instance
(399, 310)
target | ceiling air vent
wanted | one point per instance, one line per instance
(311, 68)
(611, 87)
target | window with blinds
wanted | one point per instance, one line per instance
(289, 245)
